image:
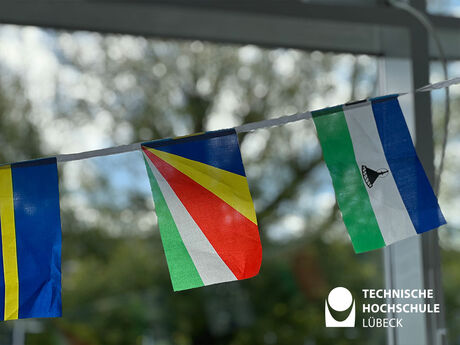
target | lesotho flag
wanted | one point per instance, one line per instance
(205, 212)
(30, 269)
(380, 185)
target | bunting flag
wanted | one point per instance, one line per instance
(205, 212)
(30, 272)
(380, 185)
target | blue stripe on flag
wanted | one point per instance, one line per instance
(218, 148)
(410, 178)
(38, 238)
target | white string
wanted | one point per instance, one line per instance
(98, 153)
(439, 85)
(248, 127)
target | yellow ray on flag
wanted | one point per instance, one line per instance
(230, 187)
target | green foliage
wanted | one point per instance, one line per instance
(116, 287)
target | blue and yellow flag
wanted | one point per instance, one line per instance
(30, 269)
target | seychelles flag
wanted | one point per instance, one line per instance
(205, 212)
(380, 185)
(30, 269)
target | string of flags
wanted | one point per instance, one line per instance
(206, 215)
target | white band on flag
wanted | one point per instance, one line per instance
(390, 212)
(211, 268)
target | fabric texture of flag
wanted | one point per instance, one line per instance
(205, 212)
(380, 185)
(30, 272)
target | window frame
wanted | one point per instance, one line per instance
(377, 29)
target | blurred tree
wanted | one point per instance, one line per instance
(116, 286)
(19, 137)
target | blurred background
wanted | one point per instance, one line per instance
(70, 91)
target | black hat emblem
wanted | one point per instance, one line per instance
(370, 175)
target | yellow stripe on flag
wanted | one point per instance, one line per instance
(230, 187)
(10, 262)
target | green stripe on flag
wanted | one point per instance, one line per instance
(184, 274)
(350, 191)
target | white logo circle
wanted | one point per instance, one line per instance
(340, 299)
